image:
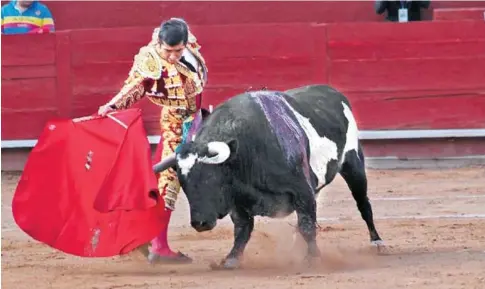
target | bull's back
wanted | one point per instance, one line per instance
(320, 98)
(324, 106)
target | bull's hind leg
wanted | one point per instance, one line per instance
(353, 172)
(306, 210)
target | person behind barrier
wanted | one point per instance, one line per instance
(401, 11)
(171, 72)
(26, 17)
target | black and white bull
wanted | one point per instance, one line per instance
(268, 153)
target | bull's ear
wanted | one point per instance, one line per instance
(205, 113)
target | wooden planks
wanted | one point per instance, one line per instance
(452, 14)
(419, 109)
(20, 52)
(26, 105)
(397, 78)
(29, 85)
(426, 75)
(443, 74)
(100, 62)
(79, 14)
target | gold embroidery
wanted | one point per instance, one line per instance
(202, 73)
(191, 90)
(179, 102)
(173, 81)
(175, 103)
(171, 121)
(155, 33)
(175, 93)
(147, 63)
(194, 47)
(132, 91)
(179, 94)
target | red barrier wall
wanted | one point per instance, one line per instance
(472, 13)
(398, 76)
(104, 14)
(420, 75)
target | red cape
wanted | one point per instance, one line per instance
(88, 188)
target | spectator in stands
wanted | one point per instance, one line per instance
(401, 11)
(26, 17)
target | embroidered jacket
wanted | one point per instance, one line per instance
(165, 84)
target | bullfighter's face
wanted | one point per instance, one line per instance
(172, 54)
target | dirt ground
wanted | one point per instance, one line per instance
(432, 222)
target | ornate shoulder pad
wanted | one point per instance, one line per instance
(155, 33)
(148, 63)
(192, 39)
(194, 47)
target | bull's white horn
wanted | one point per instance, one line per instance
(222, 151)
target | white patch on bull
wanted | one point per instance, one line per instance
(322, 150)
(352, 136)
(185, 164)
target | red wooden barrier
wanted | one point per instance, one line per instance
(471, 13)
(417, 75)
(109, 14)
(29, 85)
(398, 76)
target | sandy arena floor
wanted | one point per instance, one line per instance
(433, 223)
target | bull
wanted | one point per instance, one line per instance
(268, 153)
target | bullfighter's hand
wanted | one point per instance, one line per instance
(169, 204)
(104, 109)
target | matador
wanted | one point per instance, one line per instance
(171, 73)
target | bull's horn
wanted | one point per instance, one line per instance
(221, 151)
(166, 163)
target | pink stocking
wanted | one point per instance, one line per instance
(160, 243)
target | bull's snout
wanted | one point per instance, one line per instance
(201, 226)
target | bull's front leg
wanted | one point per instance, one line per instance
(243, 227)
(307, 224)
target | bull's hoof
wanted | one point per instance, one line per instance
(231, 263)
(379, 245)
(227, 264)
(311, 261)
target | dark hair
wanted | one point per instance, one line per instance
(173, 32)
